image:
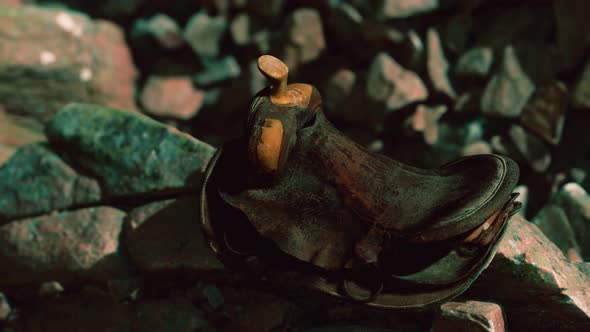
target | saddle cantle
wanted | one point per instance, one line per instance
(299, 202)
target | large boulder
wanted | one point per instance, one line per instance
(68, 246)
(54, 57)
(129, 154)
(538, 287)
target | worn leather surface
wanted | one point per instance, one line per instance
(332, 192)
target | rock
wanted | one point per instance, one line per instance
(164, 237)
(475, 148)
(218, 71)
(438, 65)
(534, 151)
(523, 198)
(509, 89)
(5, 308)
(50, 288)
(544, 113)
(59, 57)
(36, 181)
(10, 3)
(68, 246)
(173, 97)
(576, 203)
(538, 288)
(162, 28)
(169, 315)
(391, 85)
(581, 94)
(345, 23)
(469, 316)
(553, 222)
(214, 296)
(425, 120)
(203, 33)
(578, 175)
(573, 29)
(305, 34)
(338, 90)
(240, 29)
(475, 63)
(457, 31)
(16, 132)
(129, 154)
(407, 8)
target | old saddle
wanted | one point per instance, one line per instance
(298, 204)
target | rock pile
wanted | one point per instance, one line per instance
(99, 202)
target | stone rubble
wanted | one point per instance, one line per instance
(99, 203)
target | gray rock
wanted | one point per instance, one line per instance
(534, 151)
(240, 29)
(161, 28)
(59, 57)
(306, 34)
(338, 90)
(173, 97)
(50, 288)
(573, 29)
(469, 316)
(407, 8)
(438, 65)
(36, 181)
(345, 23)
(475, 63)
(544, 113)
(68, 246)
(5, 308)
(129, 154)
(553, 222)
(575, 201)
(203, 33)
(392, 86)
(536, 285)
(218, 71)
(163, 237)
(509, 89)
(581, 94)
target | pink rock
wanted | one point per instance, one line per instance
(70, 246)
(59, 57)
(536, 285)
(469, 316)
(171, 97)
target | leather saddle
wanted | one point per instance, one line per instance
(296, 201)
